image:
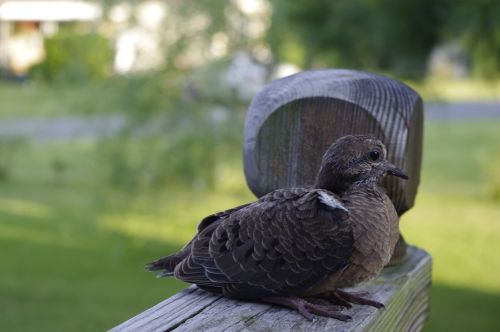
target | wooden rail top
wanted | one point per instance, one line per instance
(404, 289)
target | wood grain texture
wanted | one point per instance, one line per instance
(404, 289)
(292, 122)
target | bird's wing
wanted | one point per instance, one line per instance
(166, 266)
(288, 241)
(208, 220)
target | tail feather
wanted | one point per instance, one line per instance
(164, 267)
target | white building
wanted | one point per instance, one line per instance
(24, 24)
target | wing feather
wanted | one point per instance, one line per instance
(284, 243)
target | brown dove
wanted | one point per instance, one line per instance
(297, 243)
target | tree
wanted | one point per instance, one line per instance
(388, 35)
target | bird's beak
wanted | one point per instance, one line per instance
(393, 170)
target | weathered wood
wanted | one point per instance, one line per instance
(404, 289)
(292, 122)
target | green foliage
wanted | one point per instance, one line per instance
(143, 96)
(388, 35)
(159, 162)
(186, 152)
(476, 25)
(177, 128)
(173, 136)
(74, 57)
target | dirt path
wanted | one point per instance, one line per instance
(62, 128)
(462, 111)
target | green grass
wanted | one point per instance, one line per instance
(73, 250)
(457, 220)
(71, 261)
(41, 101)
(446, 90)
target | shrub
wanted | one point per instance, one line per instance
(172, 137)
(73, 57)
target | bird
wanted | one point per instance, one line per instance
(294, 246)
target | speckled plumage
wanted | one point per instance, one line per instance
(300, 241)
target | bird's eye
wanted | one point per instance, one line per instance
(374, 155)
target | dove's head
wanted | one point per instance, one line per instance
(354, 159)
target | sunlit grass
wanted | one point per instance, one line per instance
(24, 207)
(174, 219)
(446, 90)
(34, 100)
(463, 236)
(456, 219)
(18, 100)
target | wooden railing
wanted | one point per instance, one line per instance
(404, 289)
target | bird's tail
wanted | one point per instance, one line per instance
(164, 267)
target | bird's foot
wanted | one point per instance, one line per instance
(307, 309)
(345, 299)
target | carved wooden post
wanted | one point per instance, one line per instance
(292, 122)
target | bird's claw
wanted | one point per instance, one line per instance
(307, 309)
(346, 298)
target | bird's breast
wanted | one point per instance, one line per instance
(375, 232)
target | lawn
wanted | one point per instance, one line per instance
(457, 220)
(37, 100)
(73, 250)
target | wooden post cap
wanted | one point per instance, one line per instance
(293, 120)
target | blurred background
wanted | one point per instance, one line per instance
(116, 116)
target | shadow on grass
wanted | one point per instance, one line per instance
(461, 309)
